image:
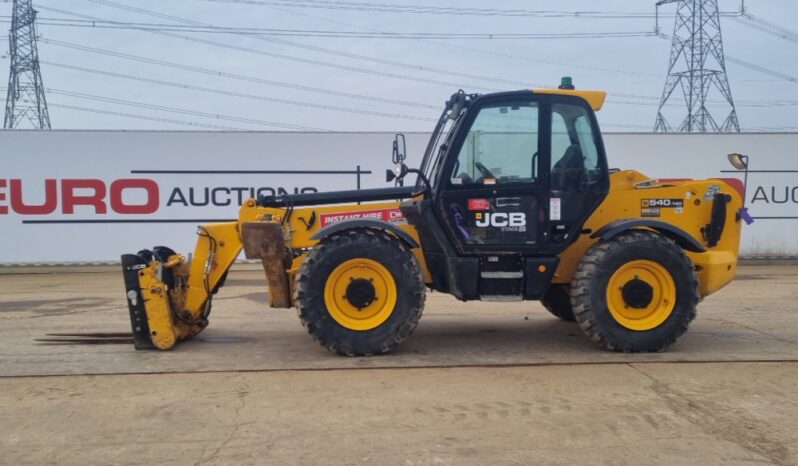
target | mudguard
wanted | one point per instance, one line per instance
(681, 237)
(366, 223)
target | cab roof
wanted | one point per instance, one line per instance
(594, 98)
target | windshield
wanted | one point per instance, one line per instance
(432, 156)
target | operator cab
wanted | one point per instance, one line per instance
(510, 178)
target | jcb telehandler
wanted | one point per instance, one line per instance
(513, 200)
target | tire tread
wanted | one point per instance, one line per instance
(588, 267)
(374, 239)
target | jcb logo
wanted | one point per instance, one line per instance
(501, 219)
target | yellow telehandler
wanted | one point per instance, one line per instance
(513, 200)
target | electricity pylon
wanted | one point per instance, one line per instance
(25, 100)
(697, 65)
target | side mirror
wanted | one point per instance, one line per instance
(738, 161)
(399, 149)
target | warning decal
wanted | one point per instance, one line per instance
(478, 204)
(386, 215)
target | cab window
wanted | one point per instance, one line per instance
(574, 152)
(501, 146)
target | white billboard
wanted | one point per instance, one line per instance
(88, 196)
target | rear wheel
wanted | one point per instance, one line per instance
(637, 292)
(360, 292)
(558, 301)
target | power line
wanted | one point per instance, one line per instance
(191, 87)
(767, 27)
(227, 128)
(753, 66)
(198, 113)
(458, 47)
(338, 52)
(713, 103)
(438, 10)
(305, 88)
(761, 69)
(412, 66)
(774, 128)
(622, 125)
(146, 117)
(334, 34)
(212, 72)
(228, 75)
(363, 57)
(215, 72)
(249, 32)
(530, 59)
(767, 30)
(448, 84)
(366, 58)
(378, 60)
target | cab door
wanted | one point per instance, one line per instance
(577, 169)
(493, 194)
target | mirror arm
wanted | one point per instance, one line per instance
(427, 186)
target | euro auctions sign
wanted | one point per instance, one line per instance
(125, 196)
(65, 195)
(88, 196)
(79, 196)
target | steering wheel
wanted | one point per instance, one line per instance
(484, 170)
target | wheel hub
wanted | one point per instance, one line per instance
(637, 293)
(641, 294)
(360, 292)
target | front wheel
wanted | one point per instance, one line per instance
(635, 293)
(360, 292)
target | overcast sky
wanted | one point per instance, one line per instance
(631, 69)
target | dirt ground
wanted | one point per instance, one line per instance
(478, 383)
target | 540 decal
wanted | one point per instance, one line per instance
(663, 203)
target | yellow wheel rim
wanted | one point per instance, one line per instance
(641, 295)
(355, 275)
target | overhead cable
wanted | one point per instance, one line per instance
(146, 117)
(192, 87)
(445, 10)
(164, 108)
(768, 27)
(228, 75)
(63, 22)
(297, 59)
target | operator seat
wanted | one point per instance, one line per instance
(567, 171)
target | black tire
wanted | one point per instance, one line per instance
(364, 243)
(589, 291)
(558, 301)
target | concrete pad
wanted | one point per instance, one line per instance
(614, 414)
(255, 389)
(754, 319)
